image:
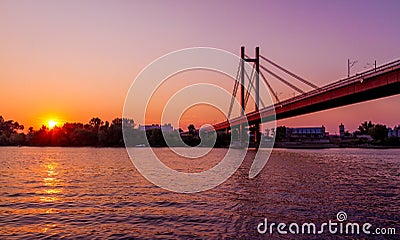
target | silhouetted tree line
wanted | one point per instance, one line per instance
(10, 132)
(156, 138)
(97, 133)
(378, 132)
(94, 133)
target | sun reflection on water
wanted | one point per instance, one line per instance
(51, 182)
(47, 227)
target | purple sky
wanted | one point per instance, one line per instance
(72, 60)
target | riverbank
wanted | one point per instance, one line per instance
(299, 145)
(276, 145)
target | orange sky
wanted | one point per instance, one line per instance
(70, 60)
(194, 114)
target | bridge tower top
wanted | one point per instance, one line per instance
(256, 61)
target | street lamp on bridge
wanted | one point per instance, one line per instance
(350, 64)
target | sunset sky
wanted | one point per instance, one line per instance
(73, 60)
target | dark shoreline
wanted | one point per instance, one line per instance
(329, 145)
(280, 146)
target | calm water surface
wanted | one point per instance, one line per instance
(97, 193)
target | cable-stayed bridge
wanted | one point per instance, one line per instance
(381, 81)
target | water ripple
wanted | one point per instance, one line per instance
(53, 193)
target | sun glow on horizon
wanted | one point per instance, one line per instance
(51, 124)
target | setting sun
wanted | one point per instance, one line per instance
(51, 124)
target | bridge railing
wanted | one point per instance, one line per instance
(344, 82)
(364, 74)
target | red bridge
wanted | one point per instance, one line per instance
(376, 83)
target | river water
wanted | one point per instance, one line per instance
(98, 193)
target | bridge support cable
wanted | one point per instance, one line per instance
(270, 87)
(268, 84)
(290, 73)
(282, 80)
(250, 87)
(234, 93)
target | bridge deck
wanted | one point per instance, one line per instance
(376, 83)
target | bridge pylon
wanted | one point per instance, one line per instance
(256, 61)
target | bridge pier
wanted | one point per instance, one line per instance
(257, 134)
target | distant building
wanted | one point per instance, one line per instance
(341, 130)
(164, 128)
(148, 127)
(365, 137)
(196, 132)
(395, 132)
(305, 133)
